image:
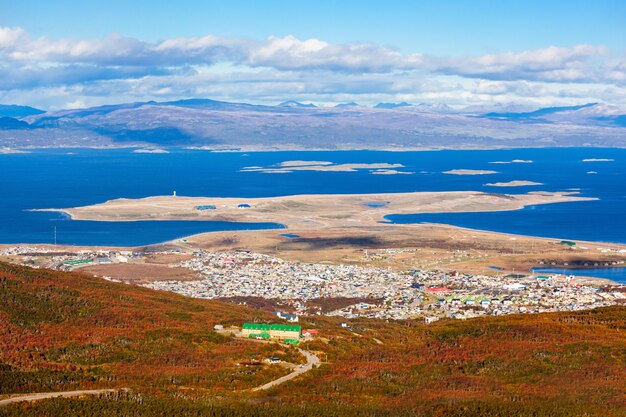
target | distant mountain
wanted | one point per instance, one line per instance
(10, 123)
(12, 110)
(590, 114)
(497, 108)
(536, 113)
(207, 104)
(422, 107)
(346, 105)
(293, 103)
(436, 108)
(391, 105)
(195, 102)
(294, 125)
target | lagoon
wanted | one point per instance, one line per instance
(617, 274)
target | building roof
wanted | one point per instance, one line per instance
(256, 326)
(286, 327)
(266, 327)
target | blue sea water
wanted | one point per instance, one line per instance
(69, 178)
(614, 274)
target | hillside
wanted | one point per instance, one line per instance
(293, 125)
(63, 331)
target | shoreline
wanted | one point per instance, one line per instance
(311, 211)
(172, 207)
(244, 149)
(349, 220)
(345, 227)
(200, 240)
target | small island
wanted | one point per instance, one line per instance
(470, 172)
(515, 183)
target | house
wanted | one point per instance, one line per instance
(286, 316)
(437, 290)
(205, 207)
(243, 206)
(514, 287)
(310, 332)
(103, 260)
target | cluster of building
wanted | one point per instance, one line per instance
(229, 274)
(413, 294)
(378, 292)
(462, 296)
(53, 258)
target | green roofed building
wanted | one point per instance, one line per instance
(275, 331)
(78, 262)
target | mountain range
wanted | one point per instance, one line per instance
(293, 125)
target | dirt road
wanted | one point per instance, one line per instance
(64, 394)
(311, 362)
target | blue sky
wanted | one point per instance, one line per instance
(63, 54)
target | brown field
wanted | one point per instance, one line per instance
(312, 211)
(138, 272)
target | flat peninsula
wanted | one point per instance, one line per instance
(311, 211)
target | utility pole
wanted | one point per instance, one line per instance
(55, 236)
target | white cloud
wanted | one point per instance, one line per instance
(10, 37)
(552, 64)
(117, 68)
(290, 53)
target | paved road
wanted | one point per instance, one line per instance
(311, 361)
(44, 395)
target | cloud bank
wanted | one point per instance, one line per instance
(57, 72)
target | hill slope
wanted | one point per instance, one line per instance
(293, 125)
(65, 331)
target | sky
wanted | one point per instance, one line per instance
(70, 54)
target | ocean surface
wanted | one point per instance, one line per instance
(617, 274)
(76, 177)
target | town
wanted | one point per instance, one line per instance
(382, 293)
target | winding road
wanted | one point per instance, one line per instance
(311, 362)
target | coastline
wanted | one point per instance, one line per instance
(346, 218)
(313, 210)
(291, 147)
(271, 241)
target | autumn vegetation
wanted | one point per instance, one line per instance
(65, 331)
